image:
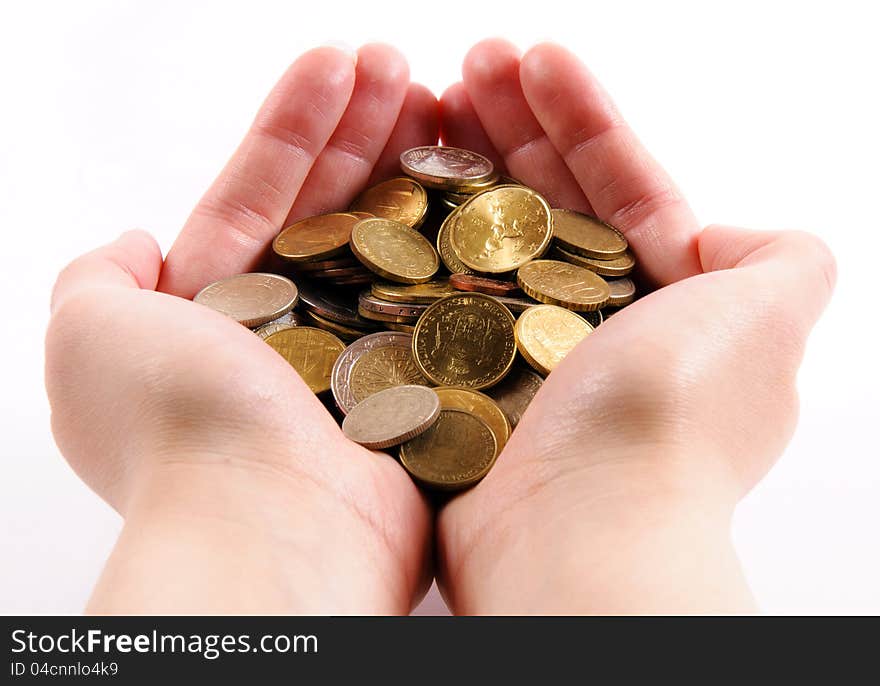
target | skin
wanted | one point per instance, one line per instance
(614, 494)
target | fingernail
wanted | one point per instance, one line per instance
(344, 47)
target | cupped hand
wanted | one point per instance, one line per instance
(614, 493)
(239, 491)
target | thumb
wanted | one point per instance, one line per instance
(133, 260)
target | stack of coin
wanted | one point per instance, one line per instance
(452, 278)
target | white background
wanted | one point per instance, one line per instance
(118, 114)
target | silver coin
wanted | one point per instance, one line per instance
(384, 360)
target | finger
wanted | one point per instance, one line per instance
(491, 77)
(625, 186)
(244, 208)
(460, 126)
(417, 124)
(344, 166)
(131, 261)
(795, 270)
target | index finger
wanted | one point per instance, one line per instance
(244, 208)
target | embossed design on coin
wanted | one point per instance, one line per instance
(372, 363)
(400, 199)
(392, 416)
(250, 299)
(394, 251)
(501, 229)
(456, 452)
(315, 238)
(465, 340)
(482, 406)
(563, 284)
(445, 167)
(545, 334)
(310, 351)
(586, 235)
(515, 392)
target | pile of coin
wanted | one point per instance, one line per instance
(429, 312)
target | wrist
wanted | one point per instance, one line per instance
(635, 532)
(228, 532)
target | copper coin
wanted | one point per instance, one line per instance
(401, 199)
(446, 167)
(346, 333)
(480, 284)
(321, 265)
(515, 392)
(332, 304)
(315, 238)
(340, 272)
(516, 304)
(372, 363)
(250, 299)
(392, 416)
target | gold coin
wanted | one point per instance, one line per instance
(267, 330)
(479, 404)
(400, 199)
(392, 416)
(619, 266)
(416, 293)
(501, 229)
(250, 299)
(586, 235)
(456, 452)
(446, 167)
(545, 334)
(564, 284)
(315, 238)
(444, 249)
(623, 292)
(373, 363)
(310, 351)
(465, 340)
(394, 251)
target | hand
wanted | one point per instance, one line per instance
(615, 491)
(239, 492)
